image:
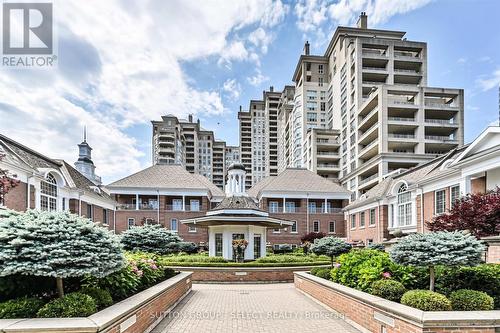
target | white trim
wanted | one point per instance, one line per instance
(154, 191)
(237, 212)
(304, 195)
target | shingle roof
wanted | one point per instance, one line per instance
(237, 202)
(299, 180)
(83, 183)
(167, 176)
(22, 154)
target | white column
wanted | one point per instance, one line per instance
(137, 202)
(183, 203)
(326, 208)
(284, 205)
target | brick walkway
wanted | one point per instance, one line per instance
(258, 308)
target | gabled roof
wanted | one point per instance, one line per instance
(237, 202)
(296, 180)
(167, 176)
(484, 142)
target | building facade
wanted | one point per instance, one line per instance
(185, 142)
(367, 98)
(52, 185)
(405, 202)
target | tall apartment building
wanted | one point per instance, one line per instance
(285, 146)
(232, 155)
(259, 137)
(185, 142)
(367, 99)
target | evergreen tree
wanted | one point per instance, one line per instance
(438, 248)
(330, 246)
(150, 238)
(57, 244)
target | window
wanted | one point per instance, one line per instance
(440, 203)
(218, 245)
(191, 229)
(64, 204)
(194, 205)
(320, 81)
(90, 212)
(48, 193)
(404, 206)
(331, 227)
(316, 226)
(276, 231)
(131, 222)
(173, 225)
(290, 207)
(320, 69)
(294, 227)
(311, 106)
(104, 216)
(454, 194)
(372, 216)
(312, 117)
(362, 219)
(273, 207)
(353, 221)
(312, 207)
(177, 204)
(149, 221)
(256, 246)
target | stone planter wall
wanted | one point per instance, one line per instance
(138, 313)
(374, 314)
(243, 274)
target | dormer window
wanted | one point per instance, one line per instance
(48, 193)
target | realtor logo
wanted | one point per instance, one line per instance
(27, 29)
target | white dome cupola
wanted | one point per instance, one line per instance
(236, 177)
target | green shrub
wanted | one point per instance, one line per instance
(291, 258)
(120, 284)
(190, 258)
(187, 247)
(101, 297)
(361, 267)
(426, 300)
(72, 305)
(389, 289)
(282, 248)
(150, 238)
(20, 308)
(471, 300)
(485, 277)
(322, 272)
(376, 246)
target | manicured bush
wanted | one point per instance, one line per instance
(471, 300)
(20, 308)
(72, 305)
(101, 297)
(291, 258)
(187, 247)
(282, 248)
(190, 258)
(485, 277)
(389, 289)
(361, 267)
(321, 272)
(151, 238)
(376, 246)
(330, 246)
(426, 300)
(57, 244)
(438, 248)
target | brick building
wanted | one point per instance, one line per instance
(406, 199)
(51, 184)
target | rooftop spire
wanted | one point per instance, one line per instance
(85, 133)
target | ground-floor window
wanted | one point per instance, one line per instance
(104, 216)
(294, 226)
(90, 212)
(256, 246)
(454, 194)
(173, 225)
(372, 216)
(276, 231)
(353, 221)
(440, 202)
(191, 229)
(331, 227)
(218, 245)
(131, 222)
(316, 226)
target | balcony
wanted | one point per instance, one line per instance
(178, 208)
(368, 179)
(369, 151)
(450, 122)
(321, 210)
(400, 101)
(401, 136)
(133, 206)
(328, 166)
(374, 53)
(441, 138)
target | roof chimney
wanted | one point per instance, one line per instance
(363, 21)
(271, 88)
(306, 48)
(240, 108)
(190, 118)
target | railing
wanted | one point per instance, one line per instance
(178, 208)
(380, 53)
(311, 210)
(401, 101)
(371, 113)
(368, 147)
(368, 130)
(439, 138)
(373, 82)
(402, 136)
(321, 210)
(401, 119)
(329, 141)
(403, 54)
(413, 71)
(441, 105)
(375, 68)
(366, 180)
(327, 165)
(132, 206)
(441, 121)
(329, 153)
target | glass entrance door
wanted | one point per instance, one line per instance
(256, 246)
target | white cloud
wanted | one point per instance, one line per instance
(462, 60)
(257, 79)
(261, 38)
(320, 17)
(490, 81)
(232, 89)
(119, 65)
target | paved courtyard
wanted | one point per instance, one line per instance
(255, 308)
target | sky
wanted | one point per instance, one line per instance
(123, 63)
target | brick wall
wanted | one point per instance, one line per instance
(362, 309)
(16, 198)
(493, 253)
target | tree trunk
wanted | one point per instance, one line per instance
(332, 260)
(432, 278)
(60, 287)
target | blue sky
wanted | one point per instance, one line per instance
(123, 63)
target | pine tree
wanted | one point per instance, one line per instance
(150, 238)
(438, 248)
(330, 246)
(57, 244)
